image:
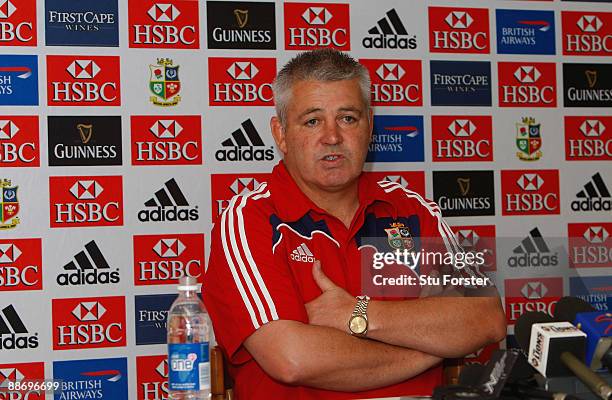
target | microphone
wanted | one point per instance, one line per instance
(556, 349)
(596, 324)
(518, 381)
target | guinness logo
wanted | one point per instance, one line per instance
(242, 17)
(464, 185)
(85, 131)
(591, 76)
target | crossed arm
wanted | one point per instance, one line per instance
(409, 337)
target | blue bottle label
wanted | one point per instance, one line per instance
(189, 366)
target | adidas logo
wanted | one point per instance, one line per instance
(533, 252)
(389, 33)
(12, 331)
(245, 145)
(594, 197)
(168, 204)
(302, 254)
(89, 267)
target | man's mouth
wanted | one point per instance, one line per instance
(332, 157)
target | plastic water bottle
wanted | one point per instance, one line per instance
(189, 332)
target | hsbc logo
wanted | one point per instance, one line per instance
(410, 180)
(164, 24)
(531, 85)
(395, 82)
(462, 138)
(86, 202)
(241, 82)
(83, 69)
(18, 23)
(317, 15)
(589, 23)
(163, 12)
(226, 186)
(530, 182)
(525, 295)
(458, 30)
(19, 141)
(459, 19)
(527, 74)
(88, 323)
(164, 259)
(530, 192)
(390, 72)
(590, 245)
(587, 138)
(173, 140)
(7, 8)
(309, 25)
(75, 81)
(21, 373)
(20, 264)
(86, 190)
(586, 34)
(479, 238)
(152, 375)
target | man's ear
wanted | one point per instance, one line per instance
(371, 122)
(278, 133)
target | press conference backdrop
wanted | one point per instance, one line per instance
(126, 126)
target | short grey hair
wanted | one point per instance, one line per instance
(325, 65)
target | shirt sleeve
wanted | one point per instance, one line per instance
(246, 286)
(464, 266)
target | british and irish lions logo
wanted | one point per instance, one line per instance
(399, 238)
(528, 140)
(164, 83)
(9, 205)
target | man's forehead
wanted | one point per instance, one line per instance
(307, 96)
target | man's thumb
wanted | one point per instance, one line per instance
(319, 276)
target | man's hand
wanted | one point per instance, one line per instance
(333, 307)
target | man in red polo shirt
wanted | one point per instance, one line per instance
(284, 284)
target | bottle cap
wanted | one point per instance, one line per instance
(188, 283)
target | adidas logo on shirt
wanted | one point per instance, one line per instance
(389, 33)
(533, 252)
(245, 144)
(12, 331)
(594, 197)
(302, 254)
(168, 204)
(89, 267)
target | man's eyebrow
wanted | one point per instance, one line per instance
(310, 111)
(351, 108)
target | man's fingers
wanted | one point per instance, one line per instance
(319, 276)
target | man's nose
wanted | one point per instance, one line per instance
(331, 133)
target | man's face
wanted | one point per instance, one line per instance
(326, 135)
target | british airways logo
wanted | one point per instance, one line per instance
(396, 138)
(525, 32)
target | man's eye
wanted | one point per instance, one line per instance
(348, 119)
(312, 122)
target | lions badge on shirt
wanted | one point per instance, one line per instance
(399, 237)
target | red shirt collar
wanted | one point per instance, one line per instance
(294, 204)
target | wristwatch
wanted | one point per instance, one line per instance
(358, 323)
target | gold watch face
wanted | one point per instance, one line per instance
(358, 324)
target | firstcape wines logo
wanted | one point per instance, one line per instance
(168, 204)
